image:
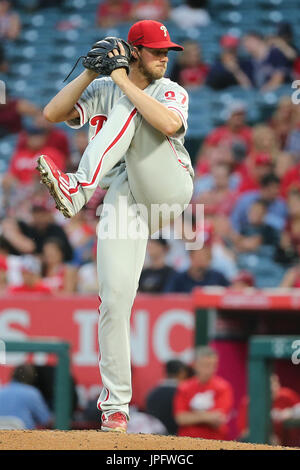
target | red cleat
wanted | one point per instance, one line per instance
(58, 184)
(114, 422)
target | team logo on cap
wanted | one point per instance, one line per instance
(164, 29)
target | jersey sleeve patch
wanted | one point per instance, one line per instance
(175, 98)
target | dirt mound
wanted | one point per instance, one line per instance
(97, 440)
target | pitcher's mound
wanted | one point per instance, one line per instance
(97, 440)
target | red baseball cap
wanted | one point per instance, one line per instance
(149, 33)
(229, 41)
(263, 159)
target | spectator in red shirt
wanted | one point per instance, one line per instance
(22, 170)
(291, 180)
(284, 400)
(253, 170)
(55, 137)
(235, 129)
(189, 70)
(203, 404)
(113, 12)
(32, 283)
(234, 132)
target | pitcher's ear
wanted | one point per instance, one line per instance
(135, 52)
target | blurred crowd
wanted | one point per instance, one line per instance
(247, 177)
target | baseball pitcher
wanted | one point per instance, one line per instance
(137, 122)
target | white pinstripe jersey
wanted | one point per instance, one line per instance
(98, 99)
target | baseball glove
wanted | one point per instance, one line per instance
(97, 58)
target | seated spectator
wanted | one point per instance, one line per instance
(199, 273)
(291, 180)
(29, 237)
(264, 140)
(214, 157)
(203, 404)
(22, 406)
(113, 12)
(159, 401)
(243, 280)
(156, 10)
(10, 25)
(228, 70)
(189, 70)
(55, 137)
(282, 120)
(284, 400)
(269, 66)
(288, 251)
(284, 41)
(276, 215)
(156, 275)
(22, 169)
(191, 14)
(57, 275)
(220, 198)
(255, 233)
(12, 113)
(283, 163)
(32, 282)
(253, 171)
(234, 131)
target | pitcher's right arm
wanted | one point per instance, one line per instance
(61, 107)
